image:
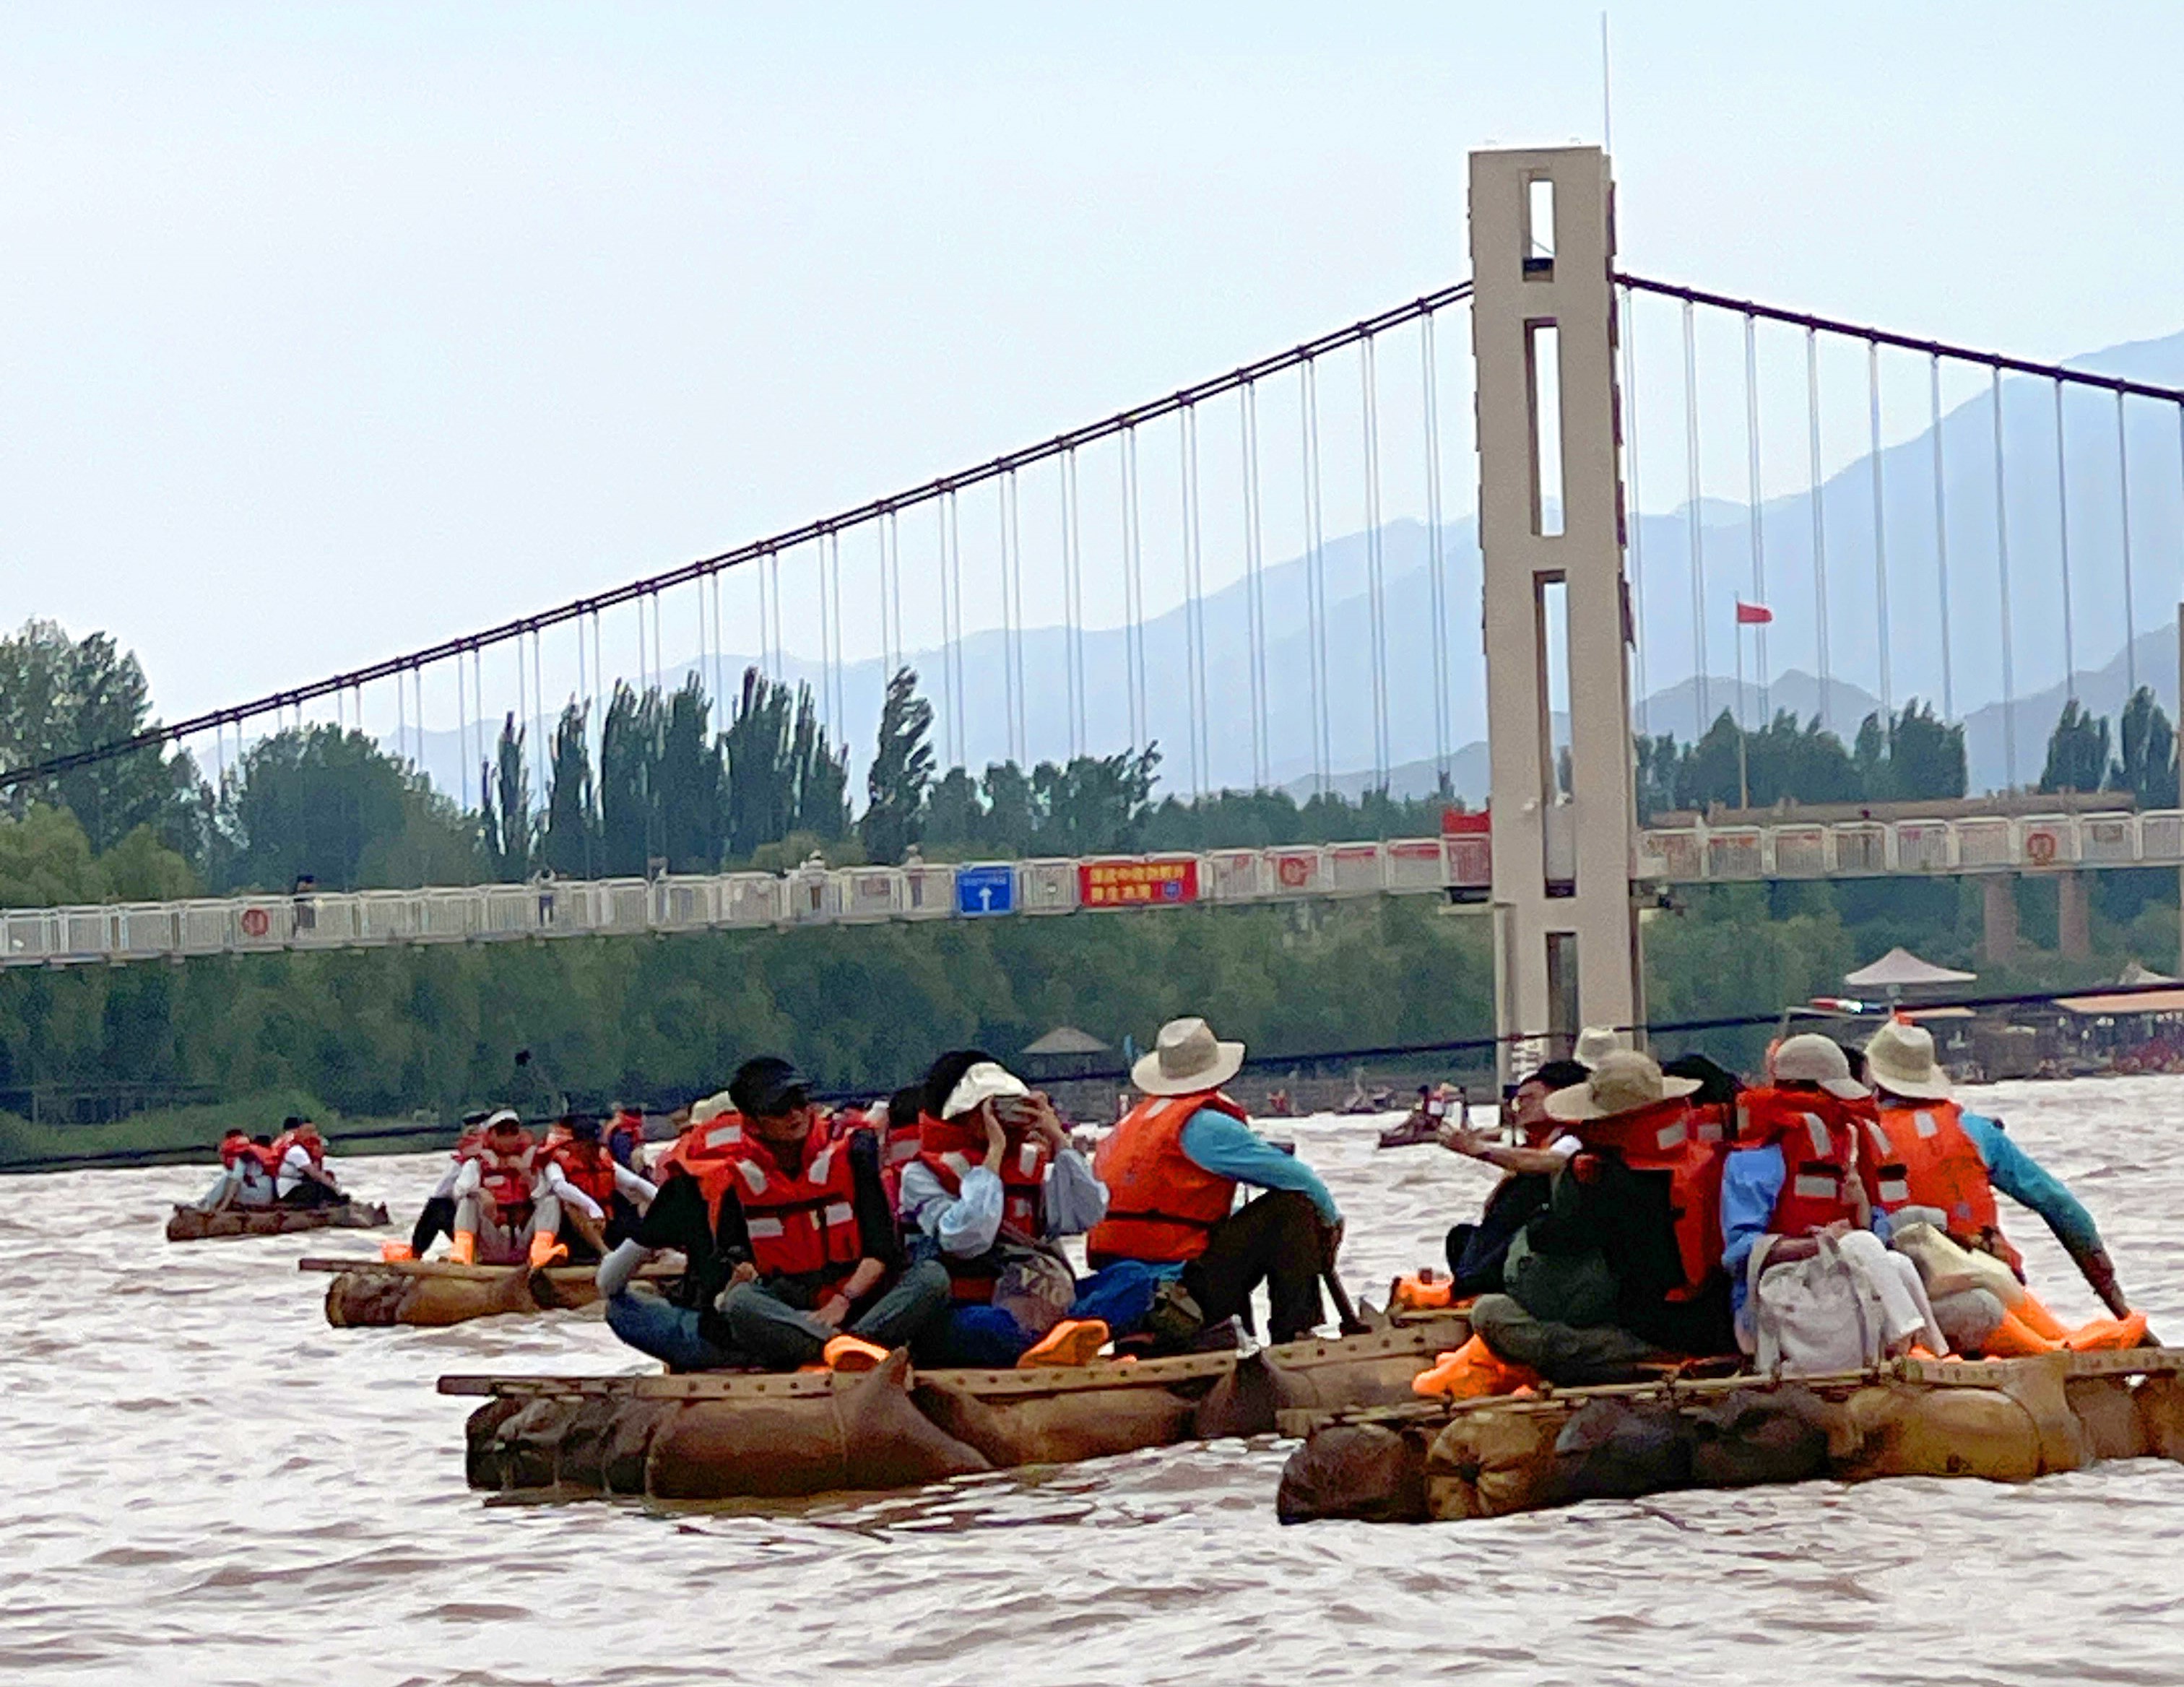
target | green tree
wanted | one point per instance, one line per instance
(46, 861)
(691, 783)
(629, 758)
(901, 773)
(504, 805)
(2146, 768)
(59, 695)
(332, 805)
(569, 843)
(2077, 751)
(783, 775)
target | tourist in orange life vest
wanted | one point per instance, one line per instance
(625, 1134)
(995, 1185)
(505, 1215)
(1926, 1159)
(1172, 1167)
(1622, 1265)
(299, 1165)
(1793, 1173)
(243, 1180)
(601, 1201)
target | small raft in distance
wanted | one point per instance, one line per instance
(2005, 1420)
(193, 1224)
(433, 1294)
(723, 1435)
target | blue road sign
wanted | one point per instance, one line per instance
(985, 890)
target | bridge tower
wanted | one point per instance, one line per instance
(1558, 617)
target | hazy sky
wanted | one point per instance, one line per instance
(328, 330)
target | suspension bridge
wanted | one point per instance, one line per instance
(1265, 574)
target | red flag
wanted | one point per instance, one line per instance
(1752, 614)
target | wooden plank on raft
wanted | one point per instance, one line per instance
(1987, 1373)
(656, 1272)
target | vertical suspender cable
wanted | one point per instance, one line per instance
(841, 661)
(1436, 558)
(1759, 522)
(2002, 582)
(1819, 527)
(952, 737)
(1942, 545)
(1369, 394)
(545, 715)
(826, 721)
(523, 711)
(401, 720)
(2123, 503)
(780, 639)
(1011, 672)
(659, 647)
(1879, 531)
(1691, 518)
(2063, 534)
(1635, 525)
(1072, 604)
(719, 651)
(1015, 587)
(894, 587)
(477, 691)
(1193, 603)
(1134, 594)
(1315, 578)
(1254, 586)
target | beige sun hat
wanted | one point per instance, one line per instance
(1810, 1058)
(1624, 1082)
(711, 1108)
(1900, 1060)
(987, 1081)
(1187, 1058)
(1596, 1042)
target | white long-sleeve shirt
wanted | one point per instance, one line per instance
(967, 1224)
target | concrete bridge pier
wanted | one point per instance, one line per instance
(1551, 531)
(1998, 922)
(2074, 916)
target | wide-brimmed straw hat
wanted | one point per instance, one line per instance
(987, 1081)
(1186, 1058)
(1811, 1058)
(1596, 1042)
(706, 1111)
(1622, 1082)
(1900, 1060)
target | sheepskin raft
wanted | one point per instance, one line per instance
(376, 1294)
(722, 1435)
(190, 1224)
(2004, 1420)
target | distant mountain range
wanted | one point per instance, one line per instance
(1662, 559)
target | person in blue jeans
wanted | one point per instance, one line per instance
(995, 1183)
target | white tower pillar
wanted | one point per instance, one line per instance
(1551, 527)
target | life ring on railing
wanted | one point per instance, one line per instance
(1294, 871)
(256, 922)
(2040, 848)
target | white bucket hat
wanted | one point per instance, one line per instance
(1811, 1058)
(988, 1081)
(1187, 1058)
(1624, 1082)
(1900, 1060)
(1596, 1042)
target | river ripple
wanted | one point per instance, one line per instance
(206, 1485)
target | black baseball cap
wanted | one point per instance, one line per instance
(767, 1087)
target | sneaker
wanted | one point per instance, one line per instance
(852, 1353)
(1175, 1318)
(1073, 1341)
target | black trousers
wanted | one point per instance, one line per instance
(308, 1193)
(436, 1221)
(1275, 1240)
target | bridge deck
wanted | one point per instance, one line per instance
(1459, 867)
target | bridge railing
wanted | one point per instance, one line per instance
(804, 896)
(1789, 848)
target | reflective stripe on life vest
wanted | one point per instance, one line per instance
(1816, 1134)
(801, 1224)
(1928, 1159)
(949, 1153)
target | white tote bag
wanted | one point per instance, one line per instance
(1815, 1316)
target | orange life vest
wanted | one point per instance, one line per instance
(1710, 1121)
(235, 1146)
(801, 1224)
(508, 1178)
(1923, 1157)
(948, 1150)
(307, 1139)
(715, 1143)
(590, 1167)
(1817, 1133)
(1161, 1204)
(1669, 1137)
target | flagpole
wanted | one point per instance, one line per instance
(1743, 772)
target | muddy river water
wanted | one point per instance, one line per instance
(200, 1482)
